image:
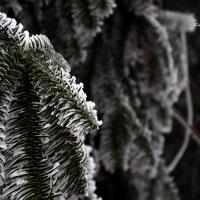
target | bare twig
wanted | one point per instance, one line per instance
(183, 121)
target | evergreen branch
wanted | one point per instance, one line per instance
(162, 118)
(165, 182)
(183, 148)
(103, 8)
(30, 173)
(27, 170)
(116, 137)
(76, 50)
(9, 72)
(90, 166)
(69, 101)
(162, 186)
(66, 85)
(165, 77)
(84, 19)
(123, 136)
(80, 22)
(69, 152)
(13, 32)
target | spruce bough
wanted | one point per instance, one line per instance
(44, 116)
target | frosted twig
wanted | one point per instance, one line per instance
(185, 143)
(181, 119)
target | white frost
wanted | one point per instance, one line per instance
(18, 152)
(179, 21)
(56, 165)
(2, 127)
(3, 145)
(20, 181)
(17, 173)
(46, 126)
(2, 136)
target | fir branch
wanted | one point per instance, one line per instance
(27, 171)
(44, 80)
(70, 154)
(183, 148)
(9, 73)
(117, 137)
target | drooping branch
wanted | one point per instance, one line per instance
(188, 97)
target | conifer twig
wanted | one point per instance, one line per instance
(183, 121)
(185, 143)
